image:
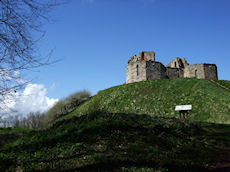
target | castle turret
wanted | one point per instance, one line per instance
(143, 67)
(143, 56)
(147, 55)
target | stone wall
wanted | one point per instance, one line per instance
(150, 55)
(194, 71)
(144, 55)
(202, 71)
(155, 70)
(178, 63)
(210, 71)
(136, 71)
(143, 67)
(172, 72)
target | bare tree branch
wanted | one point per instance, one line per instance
(20, 21)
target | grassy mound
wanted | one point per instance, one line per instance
(103, 141)
(132, 127)
(210, 101)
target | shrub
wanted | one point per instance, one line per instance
(65, 106)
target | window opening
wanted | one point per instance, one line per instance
(196, 73)
(138, 72)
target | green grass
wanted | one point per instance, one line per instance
(132, 127)
(103, 141)
(224, 83)
(8, 135)
(211, 103)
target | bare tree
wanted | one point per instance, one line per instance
(33, 120)
(20, 21)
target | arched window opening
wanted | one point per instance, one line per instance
(181, 64)
(196, 73)
(138, 72)
(175, 64)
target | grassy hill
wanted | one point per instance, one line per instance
(210, 101)
(118, 142)
(131, 128)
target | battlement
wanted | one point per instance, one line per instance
(143, 56)
(143, 67)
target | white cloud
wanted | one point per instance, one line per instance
(32, 99)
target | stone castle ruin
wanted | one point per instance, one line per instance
(143, 67)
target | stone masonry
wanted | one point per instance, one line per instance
(143, 67)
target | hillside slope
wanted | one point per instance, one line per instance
(112, 131)
(119, 142)
(210, 99)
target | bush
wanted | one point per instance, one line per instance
(65, 106)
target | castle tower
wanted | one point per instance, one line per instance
(143, 67)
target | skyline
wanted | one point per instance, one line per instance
(95, 38)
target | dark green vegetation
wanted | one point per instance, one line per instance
(117, 141)
(8, 135)
(135, 140)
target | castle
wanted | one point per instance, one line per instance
(143, 67)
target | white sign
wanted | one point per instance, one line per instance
(183, 107)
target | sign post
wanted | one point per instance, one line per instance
(183, 110)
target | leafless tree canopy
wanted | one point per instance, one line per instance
(33, 120)
(20, 30)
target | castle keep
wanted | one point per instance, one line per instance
(143, 67)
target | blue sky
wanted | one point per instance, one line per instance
(95, 38)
